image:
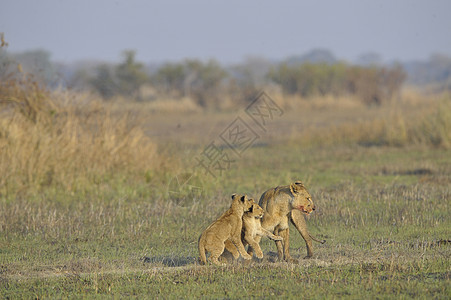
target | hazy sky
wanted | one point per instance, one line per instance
(226, 30)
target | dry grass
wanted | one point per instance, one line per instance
(160, 105)
(58, 138)
(408, 122)
(318, 103)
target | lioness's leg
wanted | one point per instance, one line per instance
(299, 222)
(284, 248)
(280, 244)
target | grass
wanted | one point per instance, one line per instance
(125, 222)
(316, 282)
(63, 140)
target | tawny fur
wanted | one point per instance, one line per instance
(251, 229)
(283, 204)
(227, 227)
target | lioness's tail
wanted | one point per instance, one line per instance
(202, 256)
(316, 240)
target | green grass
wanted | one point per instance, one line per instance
(382, 218)
(360, 280)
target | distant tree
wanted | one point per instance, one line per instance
(194, 78)
(286, 77)
(124, 79)
(393, 79)
(130, 75)
(365, 83)
(104, 81)
(248, 77)
(170, 78)
(310, 79)
(36, 63)
(5, 63)
(371, 84)
(205, 80)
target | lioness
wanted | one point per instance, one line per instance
(285, 203)
(228, 226)
(251, 229)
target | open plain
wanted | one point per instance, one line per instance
(109, 199)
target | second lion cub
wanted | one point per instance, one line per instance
(251, 229)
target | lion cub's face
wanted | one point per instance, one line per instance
(241, 202)
(255, 211)
(302, 200)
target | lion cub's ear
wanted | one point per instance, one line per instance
(296, 187)
(233, 196)
(243, 198)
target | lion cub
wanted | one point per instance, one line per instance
(252, 228)
(227, 227)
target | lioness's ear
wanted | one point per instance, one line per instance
(298, 182)
(296, 187)
(292, 188)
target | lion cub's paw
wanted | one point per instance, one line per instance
(247, 256)
(259, 254)
(278, 238)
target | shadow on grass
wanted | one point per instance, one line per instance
(170, 261)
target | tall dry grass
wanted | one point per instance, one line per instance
(399, 126)
(435, 128)
(62, 139)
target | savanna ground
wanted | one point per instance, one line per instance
(108, 199)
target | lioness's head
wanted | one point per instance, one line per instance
(242, 202)
(255, 211)
(301, 198)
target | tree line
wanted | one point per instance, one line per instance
(207, 82)
(371, 84)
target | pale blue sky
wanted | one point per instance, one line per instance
(226, 30)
